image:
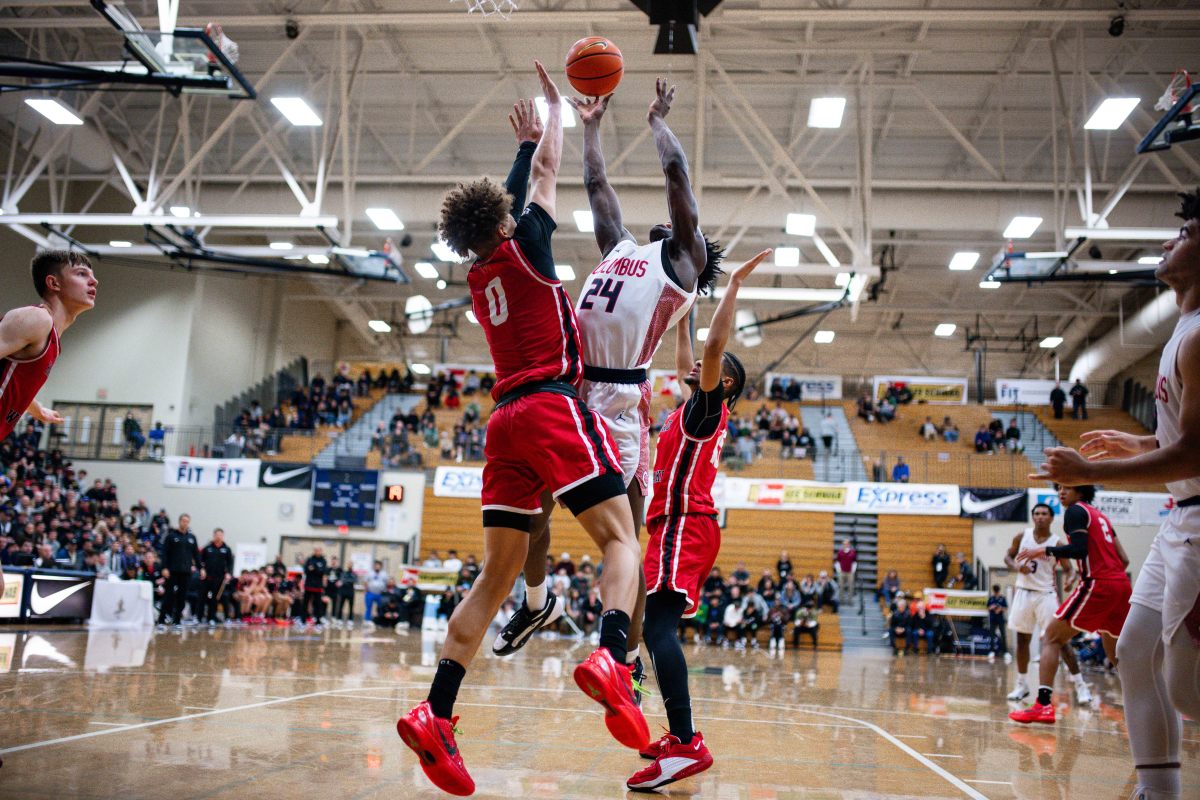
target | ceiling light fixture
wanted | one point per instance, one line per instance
(426, 270)
(787, 256)
(826, 112)
(801, 224)
(565, 272)
(1051, 342)
(298, 112)
(584, 221)
(543, 110)
(385, 219)
(379, 326)
(964, 260)
(54, 111)
(1109, 115)
(945, 329)
(1021, 227)
(824, 337)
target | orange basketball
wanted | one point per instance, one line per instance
(594, 66)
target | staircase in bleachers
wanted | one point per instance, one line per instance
(349, 450)
(1034, 435)
(1069, 430)
(861, 624)
(836, 466)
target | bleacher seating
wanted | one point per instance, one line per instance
(906, 544)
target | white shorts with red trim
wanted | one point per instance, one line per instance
(1169, 581)
(625, 408)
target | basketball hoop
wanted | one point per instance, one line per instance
(227, 46)
(487, 8)
(1181, 81)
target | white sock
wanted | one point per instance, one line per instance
(1077, 678)
(631, 655)
(1023, 679)
(535, 596)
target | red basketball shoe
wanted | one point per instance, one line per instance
(656, 749)
(611, 685)
(1035, 713)
(676, 762)
(432, 739)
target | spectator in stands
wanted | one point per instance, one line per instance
(949, 430)
(792, 390)
(1058, 399)
(828, 431)
(997, 606)
(768, 590)
(898, 625)
(877, 473)
(730, 616)
(741, 575)
(783, 566)
(900, 472)
(983, 440)
(776, 391)
(487, 382)
(941, 566)
(806, 624)
(158, 437)
(886, 412)
(389, 612)
(889, 589)
(590, 609)
(826, 592)
(866, 408)
(134, 439)
(921, 625)
(789, 595)
(778, 619)
(965, 579)
(928, 430)
(1012, 437)
(808, 589)
(779, 418)
(1079, 394)
(714, 586)
(566, 564)
(996, 432)
(754, 616)
(432, 561)
(788, 444)
(845, 566)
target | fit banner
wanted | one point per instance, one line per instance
(1000, 505)
(956, 603)
(211, 473)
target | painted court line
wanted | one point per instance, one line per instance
(941, 755)
(992, 783)
(114, 724)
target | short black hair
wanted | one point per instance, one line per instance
(732, 366)
(53, 262)
(1046, 506)
(1086, 492)
(995, 587)
(1190, 205)
(714, 254)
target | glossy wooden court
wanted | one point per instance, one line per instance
(277, 713)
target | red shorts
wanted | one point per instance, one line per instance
(681, 553)
(1097, 606)
(547, 440)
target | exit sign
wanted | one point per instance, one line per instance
(394, 494)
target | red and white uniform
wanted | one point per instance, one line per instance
(1169, 581)
(543, 439)
(1100, 601)
(20, 381)
(630, 300)
(684, 535)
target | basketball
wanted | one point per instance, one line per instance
(594, 66)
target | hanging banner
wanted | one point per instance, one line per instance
(944, 391)
(10, 599)
(1153, 509)
(211, 473)
(803, 387)
(956, 602)
(458, 482)
(861, 498)
(1002, 505)
(1010, 391)
(1121, 508)
(285, 475)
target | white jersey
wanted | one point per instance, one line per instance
(629, 301)
(1167, 393)
(1042, 577)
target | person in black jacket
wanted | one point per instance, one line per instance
(181, 557)
(216, 570)
(343, 596)
(1058, 399)
(1079, 394)
(941, 566)
(316, 571)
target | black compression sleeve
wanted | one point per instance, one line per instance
(1075, 523)
(702, 413)
(534, 229)
(518, 177)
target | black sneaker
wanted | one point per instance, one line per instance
(524, 622)
(639, 675)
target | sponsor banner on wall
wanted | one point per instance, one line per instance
(1121, 508)
(947, 391)
(956, 602)
(1024, 390)
(862, 498)
(458, 482)
(10, 599)
(60, 596)
(285, 475)
(211, 473)
(1154, 508)
(1001, 505)
(428, 579)
(812, 387)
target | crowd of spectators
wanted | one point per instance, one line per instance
(909, 622)
(995, 438)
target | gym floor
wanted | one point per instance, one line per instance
(281, 713)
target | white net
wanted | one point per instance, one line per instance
(1178, 85)
(487, 8)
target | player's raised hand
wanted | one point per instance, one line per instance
(1101, 445)
(741, 273)
(590, 109)
(526, 123)
(1063, 466)
(660, 106)
(549, 89)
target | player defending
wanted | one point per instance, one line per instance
(29, 336)
(540, 436)
(635, 295)
(684, 535)
(1159, 649)
(1100, 601)
(1036, 599)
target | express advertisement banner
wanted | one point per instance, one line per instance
(1001, 505)
(458, 482)
(211, 473)
(862, 498)
(944, 391)
(956, 602)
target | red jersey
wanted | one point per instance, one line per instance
(685, 466)
(1102, 561)
(20, 381)
(526, 315)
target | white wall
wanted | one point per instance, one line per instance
(992, 540)
(255, 517)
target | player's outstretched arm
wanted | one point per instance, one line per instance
(602, 198)
(1175, 462)
(528, 129)
(1010, 557)
(548, 156)
(1100, 445)
(722, 324)
(685, 356)
(681, 202)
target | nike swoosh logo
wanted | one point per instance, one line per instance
(40, 605)
(973, 506)
(271, 478)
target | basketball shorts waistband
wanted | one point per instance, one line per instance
(606, 375)
(1188, 503)
(526, 389)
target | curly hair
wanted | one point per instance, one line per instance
(471, 212)
(1190, 206)
(714, 255)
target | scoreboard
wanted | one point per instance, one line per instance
(345, 497)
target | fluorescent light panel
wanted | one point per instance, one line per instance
(426, 270)
(787, 256)
(1111, 113)
(379, 326)
(584, 221)
(180, 211)
(420, 369)
(471, 318)
(841, 280)
(565, 272)
(701, 334)
(1152, 260)
(281, 245)
(1123, 234)
(54, 111)
(824, 337)
(801, 224)
(543, 110)
(790, 295)
(1051, 342)
(945, 329)
(443, 251)
(964, 260)
(120, 243)
(989, 284)
(317, 258)
(1021, 227)
(826, 112)
(298, 112)
(385, 219)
